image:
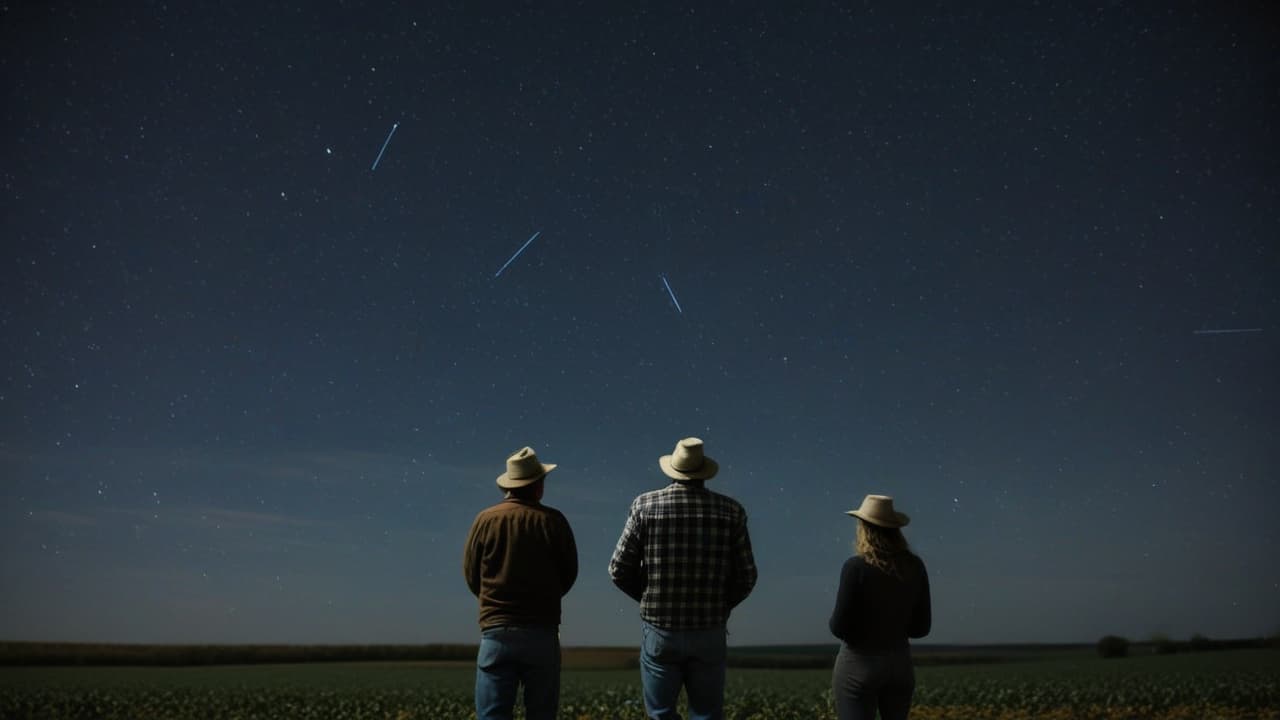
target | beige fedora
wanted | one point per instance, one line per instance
(878, 510)
(523, 469)
(687, 462)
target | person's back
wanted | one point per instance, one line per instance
(685, 555)
(520, 559)
(883, 600)
(888, 610)
(694, 562)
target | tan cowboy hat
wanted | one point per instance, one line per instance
(523, 469)
(878, 510)
(687, 462)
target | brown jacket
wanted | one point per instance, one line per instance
(520, 559)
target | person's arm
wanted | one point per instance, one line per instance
(922, 614)
(471, 553)
(841, 622)
(626, 566)
(568, 557)
(743, 573)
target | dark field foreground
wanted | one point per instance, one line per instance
(1068, 685)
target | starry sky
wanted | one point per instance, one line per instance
(258, 379)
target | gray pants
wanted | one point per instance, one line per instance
(863, 683)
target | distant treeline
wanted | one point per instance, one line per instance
(781, 657)
(818, 660)
(1200, 643)
(1115, 646)
(88, 654)
(34, 653)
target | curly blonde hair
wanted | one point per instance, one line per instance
(881, 547)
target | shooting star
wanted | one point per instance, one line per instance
(385, 143)
(513, 257)
(1226, 331)
(672, 294)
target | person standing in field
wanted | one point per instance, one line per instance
(519, 561)
(883, 600)
(685, 555)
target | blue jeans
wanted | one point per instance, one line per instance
(693, 659)
(511, 656)
(863, 683)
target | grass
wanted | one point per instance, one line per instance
(1068, 685)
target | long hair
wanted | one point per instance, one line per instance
(881, 547)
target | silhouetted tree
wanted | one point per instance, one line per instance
(1162, 645)
(1200, 643)
(1113, 646)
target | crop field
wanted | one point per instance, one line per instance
(1231, 684)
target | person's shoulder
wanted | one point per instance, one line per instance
(553, 512)
(652, 496)
(485, 518)
(491, 511)
(919, 562)
(728, 502)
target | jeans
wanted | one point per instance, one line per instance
(511, 656)
(863, 683)
(694, 659)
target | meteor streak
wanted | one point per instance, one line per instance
(513, 257)
(385, 143)
(1225, 331)
(672, 294)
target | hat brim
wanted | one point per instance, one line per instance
(508, 483)
(706, 472)
(898, 520)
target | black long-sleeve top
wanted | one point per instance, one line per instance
(877, 611)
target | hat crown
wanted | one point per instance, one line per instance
(878, 510)
(688, 462)
(524, 464)
(523, 468)
(688, 456)
(878, 505)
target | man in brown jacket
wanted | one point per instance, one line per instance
(520, 559)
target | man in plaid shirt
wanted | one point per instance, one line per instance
(685, 554)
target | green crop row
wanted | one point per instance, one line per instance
(1240, 686)
(602, 705)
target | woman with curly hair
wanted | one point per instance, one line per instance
(883, 600)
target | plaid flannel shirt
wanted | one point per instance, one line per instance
(685, 554)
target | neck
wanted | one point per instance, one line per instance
(532, 495)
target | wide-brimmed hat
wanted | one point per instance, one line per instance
(523, 469)
(878, 510)
(687, 462)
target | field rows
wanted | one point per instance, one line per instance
(1239, 686)
(601, 705)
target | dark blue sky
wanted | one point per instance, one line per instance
(255, 391)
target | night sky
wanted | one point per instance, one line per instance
(255, 389)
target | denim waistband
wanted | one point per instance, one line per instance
(530, 628)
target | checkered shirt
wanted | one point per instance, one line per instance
(685, 554)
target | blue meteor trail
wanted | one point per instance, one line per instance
(672, 294)
(1226, 331)
(513, 257)
(385, 143)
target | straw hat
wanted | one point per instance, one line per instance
(687, 462)
(523, 469)
(878, 510)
